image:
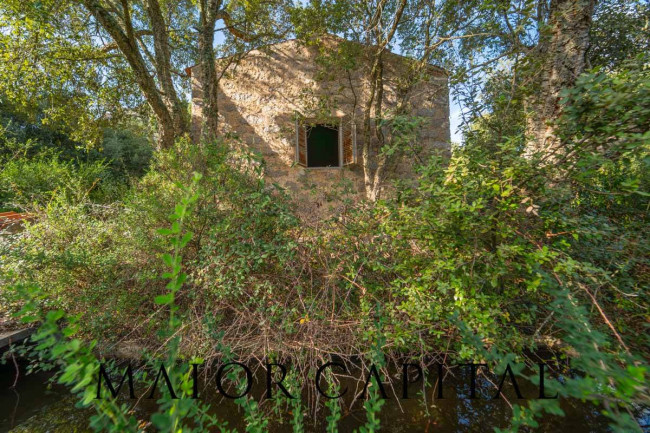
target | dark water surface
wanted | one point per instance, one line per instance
(36, 406)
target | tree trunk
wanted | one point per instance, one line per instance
(208, 10)
(170, 123)
(561, 51)
(163, 68)
(371, 151)
(374, 162)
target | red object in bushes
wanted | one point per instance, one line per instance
(12, 220)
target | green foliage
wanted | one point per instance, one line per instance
(38, 163)
(79, 366)
(21, 137)
(182, 413)
(489, 253)
(334, 415)
(619, 32)
(54, 72)
(495, 250)
(522, 244)
(36, 182)
(126, 150)
(374, 402)
(607, 117)
(126, 153)
(92, 249)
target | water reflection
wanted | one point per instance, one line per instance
(36, 406)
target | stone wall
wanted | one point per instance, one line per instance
(260, 95)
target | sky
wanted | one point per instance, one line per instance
(454, 121)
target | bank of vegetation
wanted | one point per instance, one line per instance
(504, 250)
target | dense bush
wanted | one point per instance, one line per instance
(125, 149)
(494, 252)
(126, 153)
(29, 184)
(20, 135)
(485, 238)
(37, 163)
(102, 259)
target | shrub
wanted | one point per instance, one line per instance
(30, 183)
(126, 153)
(102, 260)
(492, 253)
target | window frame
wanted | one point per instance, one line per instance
(303, 123)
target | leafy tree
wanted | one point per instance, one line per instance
(620, 32)
(145, 45)
(54, 75)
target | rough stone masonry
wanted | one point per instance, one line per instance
(266, 94)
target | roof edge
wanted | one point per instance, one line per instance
(429, 65)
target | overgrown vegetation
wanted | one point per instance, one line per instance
(500, 251)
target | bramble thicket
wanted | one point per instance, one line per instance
(528, 240)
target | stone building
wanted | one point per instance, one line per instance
(301, 106)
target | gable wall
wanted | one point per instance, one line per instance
(259, 96)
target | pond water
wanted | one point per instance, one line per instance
(37, 406)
